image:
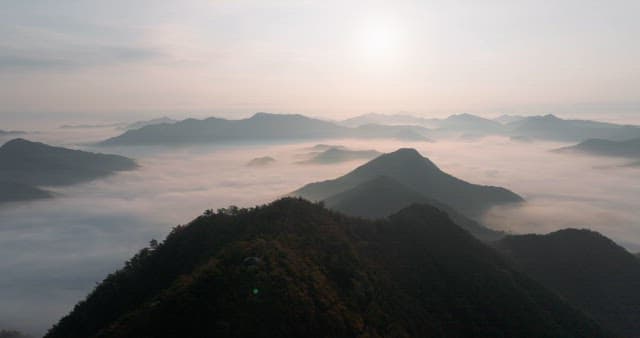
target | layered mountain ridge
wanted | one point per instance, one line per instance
(409, 168)
(292, 268)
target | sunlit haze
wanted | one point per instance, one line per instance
(329, 59)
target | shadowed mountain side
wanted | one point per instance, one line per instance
(295, 269)
(26, 165)
(338, 155)
(14, 192)
(383, 196)
(35, 163)
(409, 168)
(600, 147)
(587, 269)
(259, 127)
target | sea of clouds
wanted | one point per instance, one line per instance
(55, 251)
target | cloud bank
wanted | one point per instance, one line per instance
(56, 250)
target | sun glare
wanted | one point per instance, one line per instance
(379, 40)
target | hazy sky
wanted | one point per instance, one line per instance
(324, 58)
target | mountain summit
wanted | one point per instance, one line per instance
(411, 169)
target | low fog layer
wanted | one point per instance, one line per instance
(562, 190)
(58, 249)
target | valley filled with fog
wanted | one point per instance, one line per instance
(319, 169)
(61, 247)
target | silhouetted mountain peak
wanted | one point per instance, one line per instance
(407, 152)
(413, 170)
(404, 161)
(20, 145)
(16, 143)
(404, 156)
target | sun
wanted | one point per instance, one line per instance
(379, 40)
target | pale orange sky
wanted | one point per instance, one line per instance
(332, 59)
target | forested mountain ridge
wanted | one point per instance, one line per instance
(587, 269)
(293, 268)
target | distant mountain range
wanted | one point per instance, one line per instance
(25, 166)
(410, 169)
(585, 268)
(600, 147)
(259, 127)
(547, 127)
(295, 269)
(550, 127)
(277, 127)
